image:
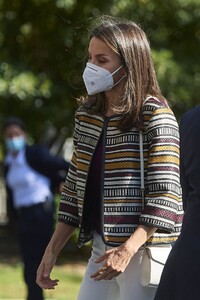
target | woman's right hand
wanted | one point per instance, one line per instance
(44, 270)
(59, 238)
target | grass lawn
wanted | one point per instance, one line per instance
(69, 275)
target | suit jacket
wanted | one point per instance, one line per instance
(190, 156)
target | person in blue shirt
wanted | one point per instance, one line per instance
(32, 174)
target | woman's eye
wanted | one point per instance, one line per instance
(102, 61)
(97, 61)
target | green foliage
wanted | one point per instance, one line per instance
(43, 48)
(173, 28)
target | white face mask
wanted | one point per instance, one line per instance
(98, 79)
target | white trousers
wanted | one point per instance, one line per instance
(126, 286)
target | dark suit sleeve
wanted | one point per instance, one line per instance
(190, 156)
(48, 161)
(9, 198)
(183, 177)
(52, 166)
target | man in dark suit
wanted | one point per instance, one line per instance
(32, 175)
(190, 156)
(180, 278)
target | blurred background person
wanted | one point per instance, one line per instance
(32, 175)
(180, 279)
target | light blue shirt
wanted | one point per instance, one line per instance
(28, 186)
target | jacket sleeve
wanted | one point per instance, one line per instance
(185, 145)
(11, 212)
(190, 157)
(68, 208)
(163, 193)
(52, 166)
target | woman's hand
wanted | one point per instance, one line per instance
(59, 238)
(44, 270)
(116, 261)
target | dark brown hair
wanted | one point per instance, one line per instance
(10, 121)
(129, 41)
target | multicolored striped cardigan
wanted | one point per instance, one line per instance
(121, 194)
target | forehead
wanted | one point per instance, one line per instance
(13, 129)
(98, 46)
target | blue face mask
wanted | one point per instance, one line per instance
(15, 144)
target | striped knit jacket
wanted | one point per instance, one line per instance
(121, 194)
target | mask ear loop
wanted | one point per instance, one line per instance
(120, 78)
(116, 70)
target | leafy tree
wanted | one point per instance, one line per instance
(173, 28)
(43, 47)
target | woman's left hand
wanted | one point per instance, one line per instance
(116, 261)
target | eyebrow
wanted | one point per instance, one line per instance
(100, 54)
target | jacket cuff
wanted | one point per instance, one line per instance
(68, 220)
(166, 226)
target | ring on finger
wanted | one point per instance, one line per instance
(102, 270)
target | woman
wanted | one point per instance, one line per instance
(180, 279)
(102, 192)
(31, 175)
